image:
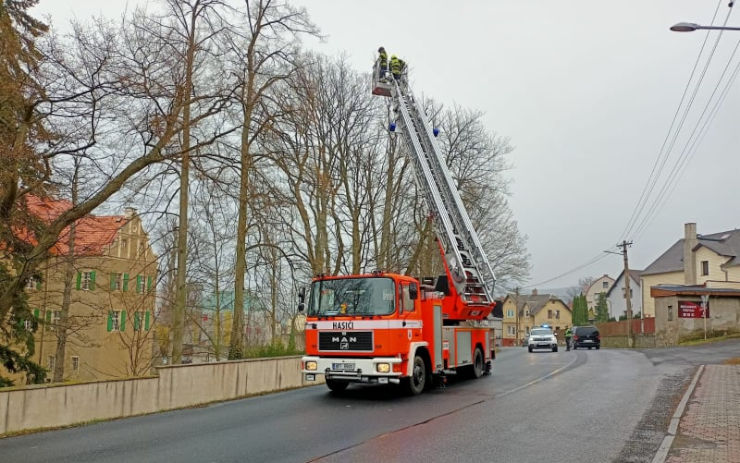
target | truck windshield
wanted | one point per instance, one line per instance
(352, 296)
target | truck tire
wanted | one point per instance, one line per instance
(530, 348)
(336, 385)
(416, 383)
(478, 367)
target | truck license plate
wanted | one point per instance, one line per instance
(343, 366)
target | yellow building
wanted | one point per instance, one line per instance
(110, 282)
(523, 312)
(600, 285)
(712, 261)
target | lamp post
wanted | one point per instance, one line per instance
(690, 27)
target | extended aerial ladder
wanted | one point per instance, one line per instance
(466, 263)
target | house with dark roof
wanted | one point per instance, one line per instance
(524, 311)
(709, 261)
(615, 297)
(108, 271)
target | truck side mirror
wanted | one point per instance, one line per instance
(301, 299)
(413, 291)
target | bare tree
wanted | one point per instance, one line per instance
(265, 54)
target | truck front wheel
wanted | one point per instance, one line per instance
(336, 385)
(478, 367)
(415, 384)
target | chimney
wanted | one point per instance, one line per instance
(534, 292)
(689, 262)
(129, 212)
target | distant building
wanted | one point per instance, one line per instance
(615, 297)
(522, 313)
(711, 261)
(599, 285)
(208, 327)
(110, 326)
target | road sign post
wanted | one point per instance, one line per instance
(704, 299)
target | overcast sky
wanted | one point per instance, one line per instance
(586, 92)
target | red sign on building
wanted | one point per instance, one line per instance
(691, 309)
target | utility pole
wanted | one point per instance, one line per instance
(627, 297)
(516, 312)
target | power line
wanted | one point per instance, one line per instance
(663, 156)
(588, 263)
(692, 143)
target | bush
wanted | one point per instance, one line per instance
(271, 350)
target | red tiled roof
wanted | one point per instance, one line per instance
(92, 233)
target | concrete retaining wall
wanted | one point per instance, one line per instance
(36, 407)
(641, 341)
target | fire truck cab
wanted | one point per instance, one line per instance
(386, 328)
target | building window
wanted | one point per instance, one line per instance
(557, 315)
(56, 317)
(116, 283)
(549, 314)
(510, 313)
(114, 320)
(605, 284)
(86, 280)
(705, 267)
(124, 246)
(75, 363)
(52, 362)
(31, 283)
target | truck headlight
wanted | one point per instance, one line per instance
(383, 367)
(311, 365)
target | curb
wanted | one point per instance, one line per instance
(665, 446)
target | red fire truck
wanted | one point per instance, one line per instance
(389, 328)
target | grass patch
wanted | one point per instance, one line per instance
(698, 339)
(732, 361)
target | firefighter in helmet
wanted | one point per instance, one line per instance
(383, 62)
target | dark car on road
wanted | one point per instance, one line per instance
(586, 336)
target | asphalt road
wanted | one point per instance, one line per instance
(610, 405)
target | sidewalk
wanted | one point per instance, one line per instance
(709, 430)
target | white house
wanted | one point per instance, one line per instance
(615, 296)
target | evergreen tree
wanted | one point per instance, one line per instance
(19, 93)
(602, 310)
(580, 310)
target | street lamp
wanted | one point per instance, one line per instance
(690, 27)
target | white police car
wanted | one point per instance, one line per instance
(542, 338)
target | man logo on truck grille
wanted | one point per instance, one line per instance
(344, 341)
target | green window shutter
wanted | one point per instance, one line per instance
(36, 314)
(146, 320)
(38, 284)
(113, 281)
(125, 281)
(123, 320)
(110, 321)
(92, 280)
(149, 284)
(137, 322)
(138, 282)
(79, 280)
(48, 316)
